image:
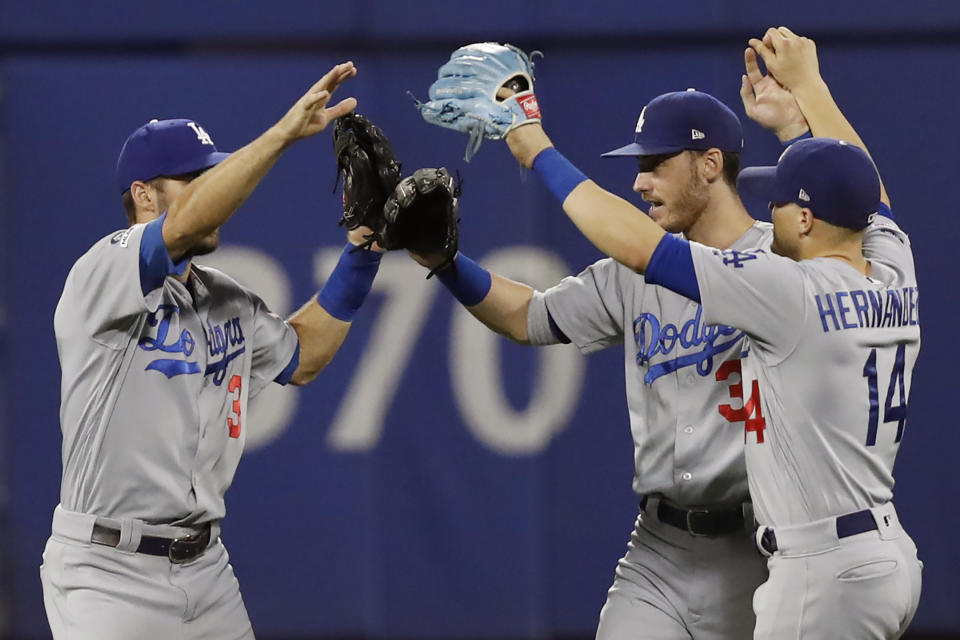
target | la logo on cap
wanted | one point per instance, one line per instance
(202, 135)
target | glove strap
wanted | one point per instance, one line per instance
(467, 281)
(349, 282)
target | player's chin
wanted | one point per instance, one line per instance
(662, 216)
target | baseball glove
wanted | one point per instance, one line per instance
(464, 97)
(369, 168)
(421, 216)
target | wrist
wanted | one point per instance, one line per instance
(527, 141)
(559, 174)
(467, 281)
(349, 282)
(791, 132)
(278, 138)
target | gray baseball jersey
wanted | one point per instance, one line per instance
(827, 377)
(156, 375)
(681, 375)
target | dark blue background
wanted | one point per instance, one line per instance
(431, 533)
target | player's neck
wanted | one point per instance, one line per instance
(850, 252)
(722, 222)
(186, 273)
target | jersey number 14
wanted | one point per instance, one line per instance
(891, 413)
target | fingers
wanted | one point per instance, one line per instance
(765, 52)
(747, 95)
(776, 38)
(332, 79)
(785, 31)
(752, 66)
(342, 108)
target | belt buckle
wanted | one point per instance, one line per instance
(691, 514)
(186, 548)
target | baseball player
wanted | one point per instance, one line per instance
(159, 359)
(832, 333)
(691, 565)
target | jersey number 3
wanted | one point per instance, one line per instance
(749, 412)
(234, 388)
(891, 413)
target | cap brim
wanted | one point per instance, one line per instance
(761, 183)
(199, 164)
(637, 150)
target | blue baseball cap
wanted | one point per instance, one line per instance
(165, 148)
(682, 120)
(836, 180)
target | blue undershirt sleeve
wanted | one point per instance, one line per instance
(671, 266)
(885, 211)
(155, 261)
(287, 373)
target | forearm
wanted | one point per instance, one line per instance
(827, 120)
(322, 324)
(613, 225)
(504, 309)
(321, 336)
(210, 200)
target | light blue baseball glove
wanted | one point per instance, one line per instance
(464, 96)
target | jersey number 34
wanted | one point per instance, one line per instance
(749, 411)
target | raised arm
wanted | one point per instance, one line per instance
(792, 60)
(209, 200)
(613, 225)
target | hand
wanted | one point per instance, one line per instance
(767, 103)
(310, 115)
(360, 235)
(790, 58)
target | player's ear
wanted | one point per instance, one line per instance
(711, 162)
(806, 220)
(144, 197)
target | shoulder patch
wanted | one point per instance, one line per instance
(122, 237)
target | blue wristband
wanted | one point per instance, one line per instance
(467, 281)
(802, 136)
(558, 173)
(349, 282)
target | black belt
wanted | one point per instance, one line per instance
(179, 550)
(700, 522)
(847, 525)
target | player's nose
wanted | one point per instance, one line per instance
(643, 182)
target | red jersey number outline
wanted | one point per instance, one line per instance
(749, 411)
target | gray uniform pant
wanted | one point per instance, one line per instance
(862, 587)
(672, 585)
(95, 592)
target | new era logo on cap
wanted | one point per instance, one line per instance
(803, 196)
(697, 135)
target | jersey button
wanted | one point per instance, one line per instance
(688, 429)
(687, 475)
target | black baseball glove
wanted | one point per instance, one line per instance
(421, 216)
(369, 168)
